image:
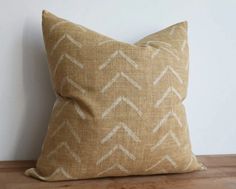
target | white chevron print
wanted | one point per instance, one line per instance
(168, 68)
(116, 77)
(73, 60)
(165, 95)
(165, 158)
(70, 58)
(105, 42)
(176, 92)
(108, 61)
(169, 134)
(177, 118)
(190, 162)
(58, 171)
(65, 103)
(76, 43)
(171, 53)
(164, 46)
(79, 111)
(66, 146)
(57, 102)
(62, 171)
(120, 167)
(117, 102)
(114, 149)
(123, 55)
(54, 26)
(122, 125)
(183, 45)
(73, 83)
(155, 53)
(66, 124)
(128, 59)
(160, 42)
(57, 43)
(57, 65)
(110, 83)
(130, 80)
(165, 118)
(62, 125)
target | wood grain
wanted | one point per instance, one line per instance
(221, 174)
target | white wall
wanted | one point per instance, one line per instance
(25, 91)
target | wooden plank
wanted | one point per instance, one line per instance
(221, 174)
(16, 164)
(218, 160)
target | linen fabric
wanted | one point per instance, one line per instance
(119, 106)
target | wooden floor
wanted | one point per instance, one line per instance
(221, 174)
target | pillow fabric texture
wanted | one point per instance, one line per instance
(119, 106)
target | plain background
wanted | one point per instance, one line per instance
(25, 90)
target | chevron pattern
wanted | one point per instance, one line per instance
(165, 118)
(165, 158)
(115, 166)
(118, 101)
(119, 106)
(164, 72)
(68, 37)
(66, 124)
(114, 55)
(105, 42)
(116, 77)
(67, 147)
(66, 80)
(114, 149)
(115, 129)
(57, 174)
(170, 90)
(60, 106)
(169, 134)
(70, 58)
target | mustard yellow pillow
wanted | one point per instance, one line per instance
(119, 106)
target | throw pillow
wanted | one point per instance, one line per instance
(119, 106)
